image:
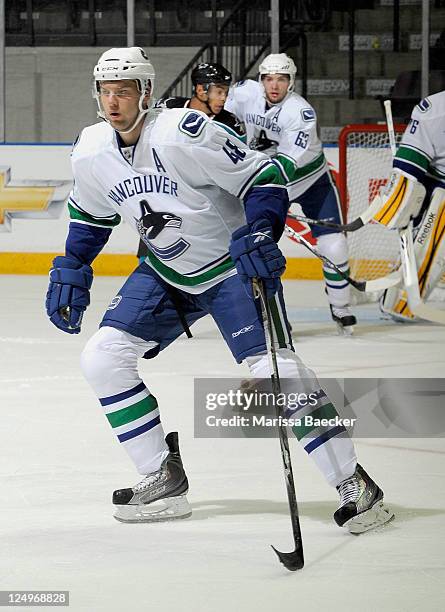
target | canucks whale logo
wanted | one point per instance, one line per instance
(152, 223)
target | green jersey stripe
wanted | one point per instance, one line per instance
(133, 412)
(189, 281)
(409, 155)
(296, 174)
(270, 175)
(436, 173)
(265, 174)
(334, 276)
(77, 215)
(327, 411)
(277, 323)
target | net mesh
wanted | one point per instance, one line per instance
(373, 250)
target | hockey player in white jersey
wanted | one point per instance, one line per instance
(416, 190)
(210, 211)
(211, 82)
(284, 125)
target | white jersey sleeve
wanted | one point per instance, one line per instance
(86, 202)
(422, 149)
(238, 99)
(299, 150)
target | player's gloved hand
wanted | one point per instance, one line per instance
(256, 255)
(68, 293)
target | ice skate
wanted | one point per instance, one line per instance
(344, 319)
(160, 496)
(361, 504)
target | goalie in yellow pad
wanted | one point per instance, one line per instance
(416, 192)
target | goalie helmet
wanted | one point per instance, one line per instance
(210, 74)
(279, 63)
(128, 63)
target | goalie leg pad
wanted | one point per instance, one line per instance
(429, 249)
(429, 244)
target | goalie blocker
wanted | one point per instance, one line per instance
(429, 250)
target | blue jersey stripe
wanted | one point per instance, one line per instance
(112, 399)
(336, 286)
(323, 438)
(139, 430)
(415, 171)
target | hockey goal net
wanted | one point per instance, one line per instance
(365, 163)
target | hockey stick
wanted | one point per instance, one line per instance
(411, 280)
(378, 284)
(321, 222)
(407, 255)
(291, 560)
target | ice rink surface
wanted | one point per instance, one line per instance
(60, 463)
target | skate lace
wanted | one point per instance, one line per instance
(349, 490)
(341, 312)
(146, 482)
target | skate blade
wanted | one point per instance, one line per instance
(376, 516)
(168, 509)
(345, 330)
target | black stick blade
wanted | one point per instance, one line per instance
(292, 561)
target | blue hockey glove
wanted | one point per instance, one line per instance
(256, 255)
(68, 293)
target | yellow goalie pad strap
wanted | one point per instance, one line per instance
(401, 200)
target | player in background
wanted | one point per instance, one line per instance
(211, 82)
(284, 125)
(416, 190)
(211, 211)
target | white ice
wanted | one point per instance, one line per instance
(60, 463)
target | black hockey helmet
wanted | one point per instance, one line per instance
(210, 73)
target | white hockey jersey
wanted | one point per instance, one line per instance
(286, 131)
(181, 191)
(422, 149)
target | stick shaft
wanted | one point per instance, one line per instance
(282, 432)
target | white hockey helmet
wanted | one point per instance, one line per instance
(127, 63)
(279, 63)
